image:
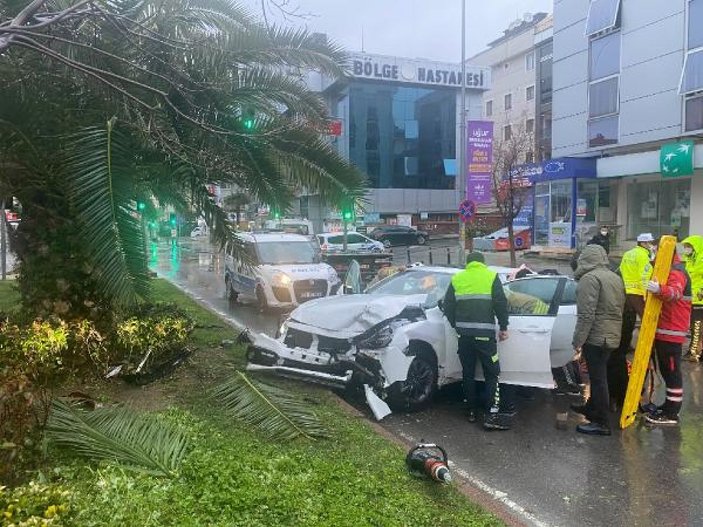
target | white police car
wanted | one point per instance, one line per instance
(284, 270)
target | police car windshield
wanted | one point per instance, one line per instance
(279, 253)
(413, 283)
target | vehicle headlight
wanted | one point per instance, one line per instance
(282, 279)
(379, 338)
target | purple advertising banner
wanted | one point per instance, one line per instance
(479, 154)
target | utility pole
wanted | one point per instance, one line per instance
(461, 174)
(3, 242)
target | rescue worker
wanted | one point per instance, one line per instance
(474, 300)
(693, 258)
(636, 270)
(600, 300)
(671, 333)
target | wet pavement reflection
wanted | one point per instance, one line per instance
(642, 476)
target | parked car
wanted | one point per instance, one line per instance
(198, 232)
(390, 235)
(396, 339)
(284, 270)
(332, 242)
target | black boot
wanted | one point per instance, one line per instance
(594, 429)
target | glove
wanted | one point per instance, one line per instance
(653, 287)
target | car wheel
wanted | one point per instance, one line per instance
(418, 389)
(421, 240)
(261, 301)
(232, 295)
(387, 243)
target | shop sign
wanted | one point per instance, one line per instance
(581, 208)
(406, 220)
(372, 217)
(396, 69)
(480, 157)
(560, 234)
(676, 159)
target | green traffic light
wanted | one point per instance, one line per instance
(249, 123)
(141, 206)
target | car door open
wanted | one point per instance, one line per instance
(525, 357)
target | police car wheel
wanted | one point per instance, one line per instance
(261, 301)
(232, 295)
(418, 389)
(421, 240)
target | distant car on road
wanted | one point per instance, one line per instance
(390, 235)
(332, 242)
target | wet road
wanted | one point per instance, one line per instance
(638, 477)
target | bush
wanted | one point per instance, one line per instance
(33, 505)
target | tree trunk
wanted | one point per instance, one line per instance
(511, 242)
(3, 243)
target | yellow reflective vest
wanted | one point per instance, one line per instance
(636, 271)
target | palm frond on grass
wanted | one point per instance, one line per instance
(278, 414)
(117, 434)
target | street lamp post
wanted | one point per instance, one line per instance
(461, 173)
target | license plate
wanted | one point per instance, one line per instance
(311, 294)
(364, 266)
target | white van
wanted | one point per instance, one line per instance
(287, 271)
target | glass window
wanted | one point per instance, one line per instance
(659, 207)
(561, 201)
(530, 93)
(529, 156)
(508, 101)
(602, 15)
(605, 56)
(602, 132)
(530, 61)
(568, 297)
(692, 72)
(286, 253)
(530, 126)
(507, 133)
(400, 135)
(603, 97)
(694, 114)
(489, 108)
(531, 296)
(413, 283)
(354, 238)
(695, 24)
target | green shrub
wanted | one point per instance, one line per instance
(33, 505)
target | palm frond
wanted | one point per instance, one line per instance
(100, 169)
(276, 413)
(117, 434)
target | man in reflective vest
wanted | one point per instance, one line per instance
(473, 301)
(672, 330)
(636, 270)
(693, 257)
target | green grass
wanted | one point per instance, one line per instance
(9, 297)
(232, 476)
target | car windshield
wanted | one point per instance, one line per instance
(278, 253)
(429, 283)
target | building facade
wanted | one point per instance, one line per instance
(628, 92)
(399, 122)
(520, 96)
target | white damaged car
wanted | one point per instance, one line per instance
(395, 339)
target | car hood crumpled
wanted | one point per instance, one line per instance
(350, 315)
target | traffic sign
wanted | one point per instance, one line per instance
(467, 210)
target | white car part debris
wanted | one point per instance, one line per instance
(114, 372)
(379, 408)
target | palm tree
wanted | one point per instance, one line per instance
(105, 104)
(236, 202)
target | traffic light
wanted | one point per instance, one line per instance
(141, 206)
(348, 211)
(172, 220)
(248, 120)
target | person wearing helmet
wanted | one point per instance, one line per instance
(636, 270)
(693, 260)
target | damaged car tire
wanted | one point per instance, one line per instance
(418, 389)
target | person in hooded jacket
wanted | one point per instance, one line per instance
(600, 300)
(693, 259)
(671, 333)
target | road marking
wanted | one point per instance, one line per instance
(496, 494)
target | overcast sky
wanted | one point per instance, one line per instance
(413, 28)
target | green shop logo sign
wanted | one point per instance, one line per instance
(676, 159)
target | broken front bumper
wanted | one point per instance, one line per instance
(270, 355)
